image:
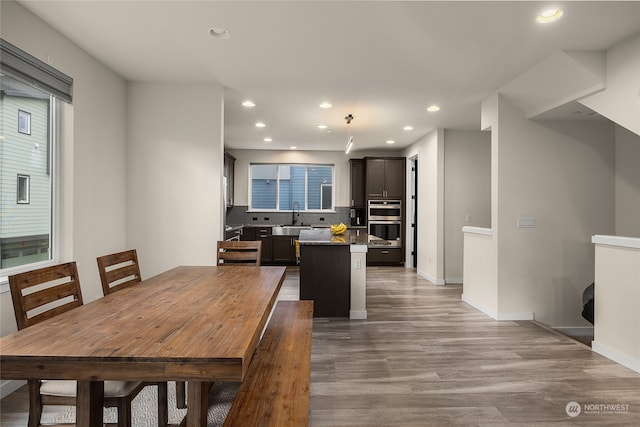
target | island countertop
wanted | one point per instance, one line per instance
(323, 236)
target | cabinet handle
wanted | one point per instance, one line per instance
(263, 236)
(385, 252)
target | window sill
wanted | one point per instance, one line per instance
(4, 278)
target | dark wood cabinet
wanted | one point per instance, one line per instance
(325, 278)
(284, 249)
(248, 233)
(228, 173)
(262, 233)
(394, 178)
(358, 199)
(375, 178)
(386, 256)
(385, 178)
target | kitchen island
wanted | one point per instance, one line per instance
(333, 272)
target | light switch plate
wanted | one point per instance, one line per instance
(526, 223)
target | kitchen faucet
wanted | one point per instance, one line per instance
(293, 212)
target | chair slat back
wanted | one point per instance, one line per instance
(41, 294)
(244, 252)
(119, 271)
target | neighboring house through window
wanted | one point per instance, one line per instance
(29, 89)
(23, 189)
(285, 187)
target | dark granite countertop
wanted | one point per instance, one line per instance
(323, 236)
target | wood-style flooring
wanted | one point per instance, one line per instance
(425, 358)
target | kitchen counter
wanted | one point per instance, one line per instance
(333, 272)
(323, 236)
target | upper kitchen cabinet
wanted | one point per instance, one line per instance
(228, 172)
(358, 199)
(385, 178)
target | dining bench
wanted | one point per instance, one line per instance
(275, 391)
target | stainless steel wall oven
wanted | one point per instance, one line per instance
(385, 223)
(384, 210)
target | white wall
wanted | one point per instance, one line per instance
(467, 192)
(627, 183)
(561, 174)
(174, 174)
(620, 101)
(617, 294)
(480, 288)
(430, 153)
(93, 150)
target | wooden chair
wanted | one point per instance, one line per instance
(239, 252)
(119, 271)
(57, 290)
(230, 252)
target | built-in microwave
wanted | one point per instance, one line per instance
(385, 233)
(384, 210)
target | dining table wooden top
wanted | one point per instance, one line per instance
(197, 324)
(186, 323)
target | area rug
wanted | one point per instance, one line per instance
(144, 407)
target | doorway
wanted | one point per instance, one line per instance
(413, 202)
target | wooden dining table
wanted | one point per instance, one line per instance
(195, 324)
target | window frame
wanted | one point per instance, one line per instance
(54, 233)
(24, 128)
(57, 88)
(250, 207)
(27, 199)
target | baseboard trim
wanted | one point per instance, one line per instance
(616, 356)
(454, 281)
(575, 331)
(358, 314)
(438, 282)
(491, 313)
(525, 315)
(9, 386)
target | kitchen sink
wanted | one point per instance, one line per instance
(288, 230)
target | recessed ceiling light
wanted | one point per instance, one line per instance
(390, 141)
(293, 147)
(219, 33)
(325, 105)
(549, 15)
(433, 108)
(267, 139)
(322, 126)
(407, 128)
(248, 104)
(260, 125)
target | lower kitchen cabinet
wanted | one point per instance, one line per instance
(325, 278)
(264, 235)
(284, 249)
(385, 256)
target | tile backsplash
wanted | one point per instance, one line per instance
(238, 215)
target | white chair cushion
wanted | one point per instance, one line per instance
(67, 388)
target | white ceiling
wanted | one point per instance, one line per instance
(383, 62)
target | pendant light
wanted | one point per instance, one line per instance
(349, 145)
